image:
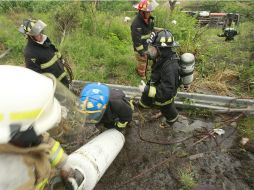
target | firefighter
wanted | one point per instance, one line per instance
(40, 54)
(229, 31)
(27, 112)
(162, 87)
(106, 106)
(141, 28)
(229, 34)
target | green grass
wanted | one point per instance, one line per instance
(99, 46)
(217, 56)
(246, 127)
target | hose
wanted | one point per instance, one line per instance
(69, 71)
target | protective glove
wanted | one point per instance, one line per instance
(151, 38)
(142, 86)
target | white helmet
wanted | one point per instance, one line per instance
(32, 27)
(26, 100)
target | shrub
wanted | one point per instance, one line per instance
(67, 17)
(10, 38)
(184, 30)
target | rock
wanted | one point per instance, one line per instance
(184, 126)
(244, 140)
(233, 124)
(127, 19)
(249, 146)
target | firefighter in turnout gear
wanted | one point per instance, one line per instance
(229, 30)
(229, 34)
(28, 110)
(104, 105)
(141, 28)
(40, 54)
(162, 87)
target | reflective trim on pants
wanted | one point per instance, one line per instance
(173, 120)
(143, 105)
(164, 103)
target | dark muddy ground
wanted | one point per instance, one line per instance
(191, 157)
(172, 158)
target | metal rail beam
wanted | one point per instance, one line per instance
(183, 99)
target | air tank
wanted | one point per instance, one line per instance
(94, 158)
(187, 63)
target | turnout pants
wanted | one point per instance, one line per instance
(141, 65)
(168, 110)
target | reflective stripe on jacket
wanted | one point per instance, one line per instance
(44, 58)
(140, 32)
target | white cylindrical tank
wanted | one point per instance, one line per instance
(93, 159)
(187, 67)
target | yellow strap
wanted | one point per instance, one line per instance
(121, 125)
(164, 103)
(51, 61)
(139, 47)
(17, 116)
(144, 37)
(152, 92)
(41, 185)
(1, 117)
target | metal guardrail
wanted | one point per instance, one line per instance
(216, 103)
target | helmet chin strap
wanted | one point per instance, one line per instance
(26, 138)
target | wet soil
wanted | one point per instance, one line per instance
(170, 157)
(161, 158)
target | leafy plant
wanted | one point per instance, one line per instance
(246, 127)
(184, 30)
(186, 179)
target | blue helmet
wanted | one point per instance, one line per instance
(93, 101)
